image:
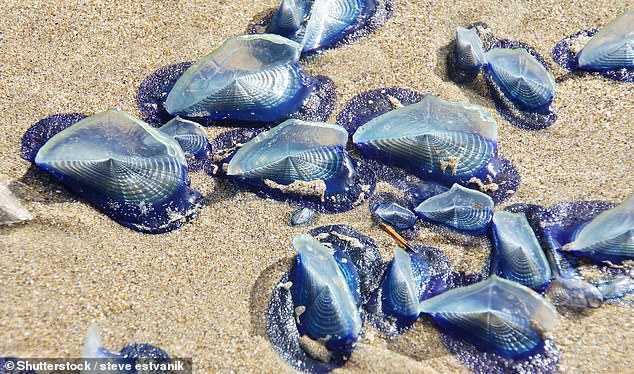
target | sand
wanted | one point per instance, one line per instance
(200, 291)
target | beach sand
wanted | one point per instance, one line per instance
(201, 291)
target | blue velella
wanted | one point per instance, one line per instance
(607, 237)
(466, 57)
(460, 208)
(320, 24)
(325, 295)
(437, 141)
(567, 288)
(302, 216)
(608, 52)
(432, 270)
(573, 293)
(353, 266)
(521, 77)
(560, 267)
(190, 136)
(395, 215)
(131, 354)
(560, 223)
(517, 253)
(400, 290)
(297, 151)
(468, 50)
(519, 81)
(432, 139)
(408, 280)
(303, 159)
(612, 47)
(250, 78)
(131, 171)
(361, 249)
(496, 315)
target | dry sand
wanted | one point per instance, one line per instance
(200, 291)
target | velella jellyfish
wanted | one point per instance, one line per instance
(131, 171)
(460, 208)
(517, 254)
(497, 315)
(250, 80)
(323, 24)
(608, 236)
(608, 52)
(301, 160)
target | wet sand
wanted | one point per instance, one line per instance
(200, 291)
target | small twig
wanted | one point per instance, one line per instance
(399, 239)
